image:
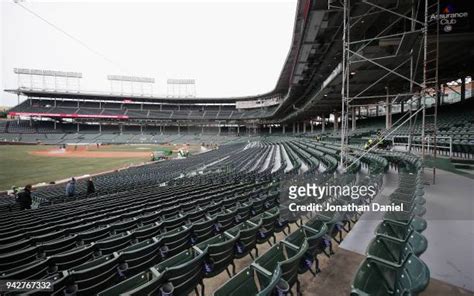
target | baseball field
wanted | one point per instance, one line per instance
(32, 164)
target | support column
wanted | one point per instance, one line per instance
(79, 129)
(441, 95)
(55, 125)
(270, 130)
(312, 126)
(377, 110)
(120, 126)
(388, 114)
(336, 117)
(294, 128)
(402, 107)
(297, 127)
(238, 129)
(284, 130)
(100, 127)
(323, 123)
(304, 127)
(353, 118)
(463, 89)
(141, 129)
(219, 130)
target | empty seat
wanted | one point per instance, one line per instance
(59, 245)
(252, 281)
(378, 278)
(72, 258)
(220, 254)
(139, 256)
(247, 233)
(184, 272)
(18, 258)
(287, 258)
(93, 277)
(113, 243)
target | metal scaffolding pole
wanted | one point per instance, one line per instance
(430, 90)
(403, 75)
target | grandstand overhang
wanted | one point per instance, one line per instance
(130, 98)
(316, 83)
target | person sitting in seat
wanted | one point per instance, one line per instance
(90, 187)
(71, 188)
(24, 198)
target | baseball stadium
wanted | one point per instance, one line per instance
(353, 175)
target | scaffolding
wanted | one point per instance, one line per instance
(407, 73)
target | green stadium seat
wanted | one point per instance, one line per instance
(72, 258)
(145, 283)
(113, 243)
(184, 272)
(247, 233)
(202, 230)
(146, 232)
(220, 254)
(378, 278)
(389, 251)
(139, 256)
(266, 231)
(254, 281)
(174, 242)
(58, 246)
(18, 258)
(36, 270)
(316, 245)
(93, 277)
(287, 258)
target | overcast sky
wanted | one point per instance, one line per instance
(231, 48)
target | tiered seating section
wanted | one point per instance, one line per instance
(139, 111)
(161, 229)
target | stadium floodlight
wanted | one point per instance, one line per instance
(131, 78)
(181, 81)
(47, 73)
(129, 84)
(179, 88)
(48, 79)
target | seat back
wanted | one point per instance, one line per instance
(93, 277)
(220, 254)
(73, 257)
(243, 283)
(140, 256)
(185, 276)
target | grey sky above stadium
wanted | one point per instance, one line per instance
(231, 48)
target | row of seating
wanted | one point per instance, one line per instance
(276, 272)
(179, 233)
(393, 266)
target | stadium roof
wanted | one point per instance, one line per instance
(316, 84)
(112, 96)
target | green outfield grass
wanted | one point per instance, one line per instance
(18, 167)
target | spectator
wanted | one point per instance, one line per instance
(24, 198)
(71, 188)
(14, 192)
(90, 187)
